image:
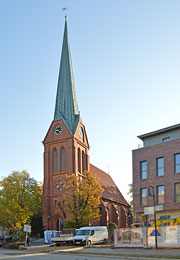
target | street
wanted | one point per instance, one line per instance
(46, 252)
(48, 256)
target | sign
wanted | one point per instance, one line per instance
(150, 210)
(155, 233)
(159, 208)
(27, 228)
(130, 237)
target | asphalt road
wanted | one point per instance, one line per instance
(45, 252)
(47, 256)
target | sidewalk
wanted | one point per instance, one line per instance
(126, 252)
(29, 250)
(97, 250)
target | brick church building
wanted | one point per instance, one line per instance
(66, 151)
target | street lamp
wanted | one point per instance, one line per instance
(152, 194)
(128, 218)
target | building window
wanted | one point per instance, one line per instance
(59, 185)
(177, 192)
(79, 160)
(86, 162)
(165, 139)
(63, 159)
(177, 163)
(160, 194)
(143, 198)
(55, 160)
(160, 166)
(143, 170)
(83, 162)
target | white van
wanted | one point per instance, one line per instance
(91, 235)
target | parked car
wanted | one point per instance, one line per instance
(91, 235)
(5, 239)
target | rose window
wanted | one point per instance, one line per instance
(59, 185)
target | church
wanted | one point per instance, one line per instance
(66, 151)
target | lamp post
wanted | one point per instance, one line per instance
(152, 194)
(128, 218)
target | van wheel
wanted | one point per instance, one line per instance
(88, 243)
(105, 240)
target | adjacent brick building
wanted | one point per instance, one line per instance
(157, 164)
(66, 151)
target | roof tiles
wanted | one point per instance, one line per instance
(111, 191)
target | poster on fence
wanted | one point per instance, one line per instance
(130, 237)
(168, 236)
(151, 236)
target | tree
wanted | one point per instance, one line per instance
(82, 198)
(130, 193)
(20, 200)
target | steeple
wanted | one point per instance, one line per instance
(66, 104)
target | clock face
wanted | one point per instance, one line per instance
(58, 130)
(81, 132)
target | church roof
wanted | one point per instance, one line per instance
(66, 104)
(111, 191)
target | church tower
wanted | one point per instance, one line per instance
(65, 144)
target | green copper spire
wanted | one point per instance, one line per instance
(66, 105)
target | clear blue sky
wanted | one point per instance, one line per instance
(126, 64)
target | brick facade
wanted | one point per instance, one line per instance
(150, 154)
(114, 207)
(52, 195)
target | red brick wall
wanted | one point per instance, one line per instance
(51, 194)
(149, 154)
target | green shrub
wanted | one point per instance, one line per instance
(112, 225)
(15, 245)
(70, 224)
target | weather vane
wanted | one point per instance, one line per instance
(65, 9)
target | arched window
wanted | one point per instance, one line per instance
(63, 159)
(83, 162)
(55, 160)
(83, 135)
(59, 224)
(79, 160)
(86, 162)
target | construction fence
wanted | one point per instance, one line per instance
(168, 236)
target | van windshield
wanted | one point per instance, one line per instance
(83, 232)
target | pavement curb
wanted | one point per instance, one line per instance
(113, 255)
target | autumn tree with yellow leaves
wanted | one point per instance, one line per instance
(20, 200)
(82, 198)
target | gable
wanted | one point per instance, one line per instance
(64, 132)
(80, 134)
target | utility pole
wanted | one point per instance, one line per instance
(151, 188)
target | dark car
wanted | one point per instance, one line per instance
(5, 239)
